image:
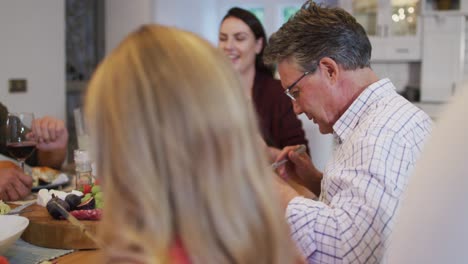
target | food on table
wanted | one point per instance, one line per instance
(4, 208)
(86, 197)
(45, 231)
(3, 260)
(86, 205)
(87, 188)
(45, 176)
(99, 201)
(5, 164)
(95, 189)
(93, 214)
(73, 201)
(52, 207)
(44, 195)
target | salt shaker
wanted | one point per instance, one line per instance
(83, 169)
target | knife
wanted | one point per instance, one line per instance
(77, 223)
(299, 150)
(19, 209)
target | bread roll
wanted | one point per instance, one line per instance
(43, 175)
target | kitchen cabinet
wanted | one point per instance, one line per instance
(444, 63)
(393, 27)
(445, 6)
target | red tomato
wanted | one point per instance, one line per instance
(3, 260)
(86, 188)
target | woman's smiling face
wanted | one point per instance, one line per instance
(238, 42)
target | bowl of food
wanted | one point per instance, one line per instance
(12, 226)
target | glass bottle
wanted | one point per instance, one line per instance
(83, 169)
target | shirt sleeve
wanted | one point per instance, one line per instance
(359, 198)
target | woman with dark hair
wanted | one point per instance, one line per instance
(243, 39)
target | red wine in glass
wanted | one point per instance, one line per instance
(21, 150)
(20, 141)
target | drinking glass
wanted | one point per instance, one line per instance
(20, 141)
(81, 129)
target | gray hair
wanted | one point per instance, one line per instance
(315, 32)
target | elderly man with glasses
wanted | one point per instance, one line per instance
(323, 58)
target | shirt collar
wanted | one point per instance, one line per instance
(348, 121)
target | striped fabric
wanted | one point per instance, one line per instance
(379, 138)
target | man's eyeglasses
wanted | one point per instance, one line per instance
(293, 96)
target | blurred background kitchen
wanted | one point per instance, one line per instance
(49, 48)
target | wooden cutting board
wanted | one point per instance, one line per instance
(45, 231)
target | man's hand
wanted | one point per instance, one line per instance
(299, 168)
(52, 140)
(50, 133)
(14, 184)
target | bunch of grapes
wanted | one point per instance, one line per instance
(95, 192)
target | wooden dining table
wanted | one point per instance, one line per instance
(78, 256)
(81, 256)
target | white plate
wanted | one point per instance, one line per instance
(12, 226)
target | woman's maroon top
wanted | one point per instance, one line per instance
(278, 123)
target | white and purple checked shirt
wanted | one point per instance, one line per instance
(379, 138)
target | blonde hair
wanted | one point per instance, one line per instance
(177, 147)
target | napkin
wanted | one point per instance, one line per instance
(22, 252)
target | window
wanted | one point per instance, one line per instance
(288, 12)
(259, 12)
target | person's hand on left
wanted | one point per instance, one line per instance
(50, 133)
(14, 184)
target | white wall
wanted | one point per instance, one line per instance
(33, 47)
(200, 16)
(320, 145)
(123, 16)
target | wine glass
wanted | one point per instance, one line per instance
(20, 141)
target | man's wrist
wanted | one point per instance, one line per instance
(314, 182)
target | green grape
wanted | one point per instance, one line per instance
(99, 204)
(86, 197)
(95, 189)
(98, 196)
